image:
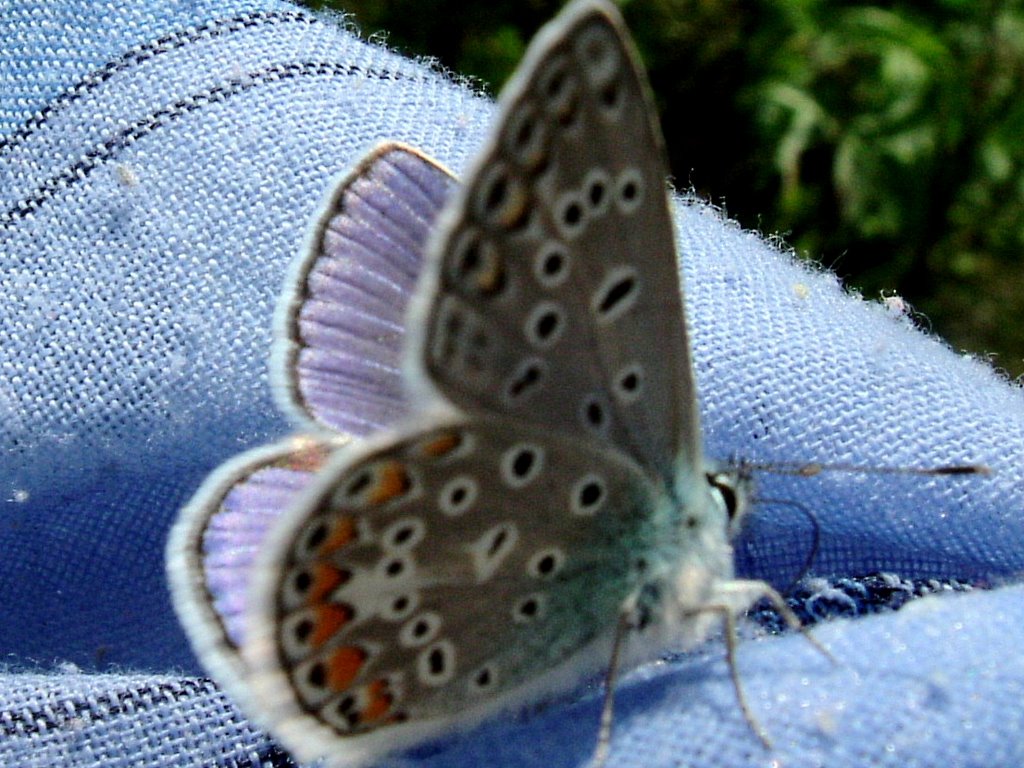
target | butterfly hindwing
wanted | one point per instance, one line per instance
(554, 295)
(434, 573)
(341, 319)
(219, 534)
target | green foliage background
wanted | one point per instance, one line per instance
(886, 140)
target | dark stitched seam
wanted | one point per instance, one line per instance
(144, 52)
(218, 94)
(129, 701)
(58, 715)
(272, 757)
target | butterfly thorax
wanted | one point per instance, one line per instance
(690, 556)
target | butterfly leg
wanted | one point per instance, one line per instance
(740, 594)
(604, 732)
(759, 589)
(731, 643)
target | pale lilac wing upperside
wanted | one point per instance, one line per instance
(218, 536)
(341, 318)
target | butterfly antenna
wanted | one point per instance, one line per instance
(604, 731)
(815, 541)
(813, 468)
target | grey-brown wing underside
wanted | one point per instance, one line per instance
(551, 291)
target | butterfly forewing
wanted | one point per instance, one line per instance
(341, 319)
(439, 571)
(553, 293)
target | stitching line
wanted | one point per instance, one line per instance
(144, 52)
(64, 714)
(140, 128)
(68, 713)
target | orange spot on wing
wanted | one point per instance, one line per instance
(343, 532)
(307, 455)
(491, 280)
(326, 578)
(392, 481)
(378, 701)
(308, 460)
(441, 445)
(329, 619)
(512, 216)
(343, 666)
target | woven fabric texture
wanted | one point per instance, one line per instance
(159, 165)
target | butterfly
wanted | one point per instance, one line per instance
(497, 484)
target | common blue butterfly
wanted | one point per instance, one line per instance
(534, 485)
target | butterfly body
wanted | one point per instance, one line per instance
(538, 483)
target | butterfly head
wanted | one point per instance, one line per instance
(731, 490)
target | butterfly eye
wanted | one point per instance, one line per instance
(527, 378)
(396, 567)
(723, 485)
(400, 607)
(313, 584)
(314, 536)
(325, 535)
(594, 413)
(310, 629)
(611, 100)
(475, 264)
(379, 483)
(489, 551)
(499, 541)
(462, 340)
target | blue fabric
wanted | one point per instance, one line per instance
(159, 164)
